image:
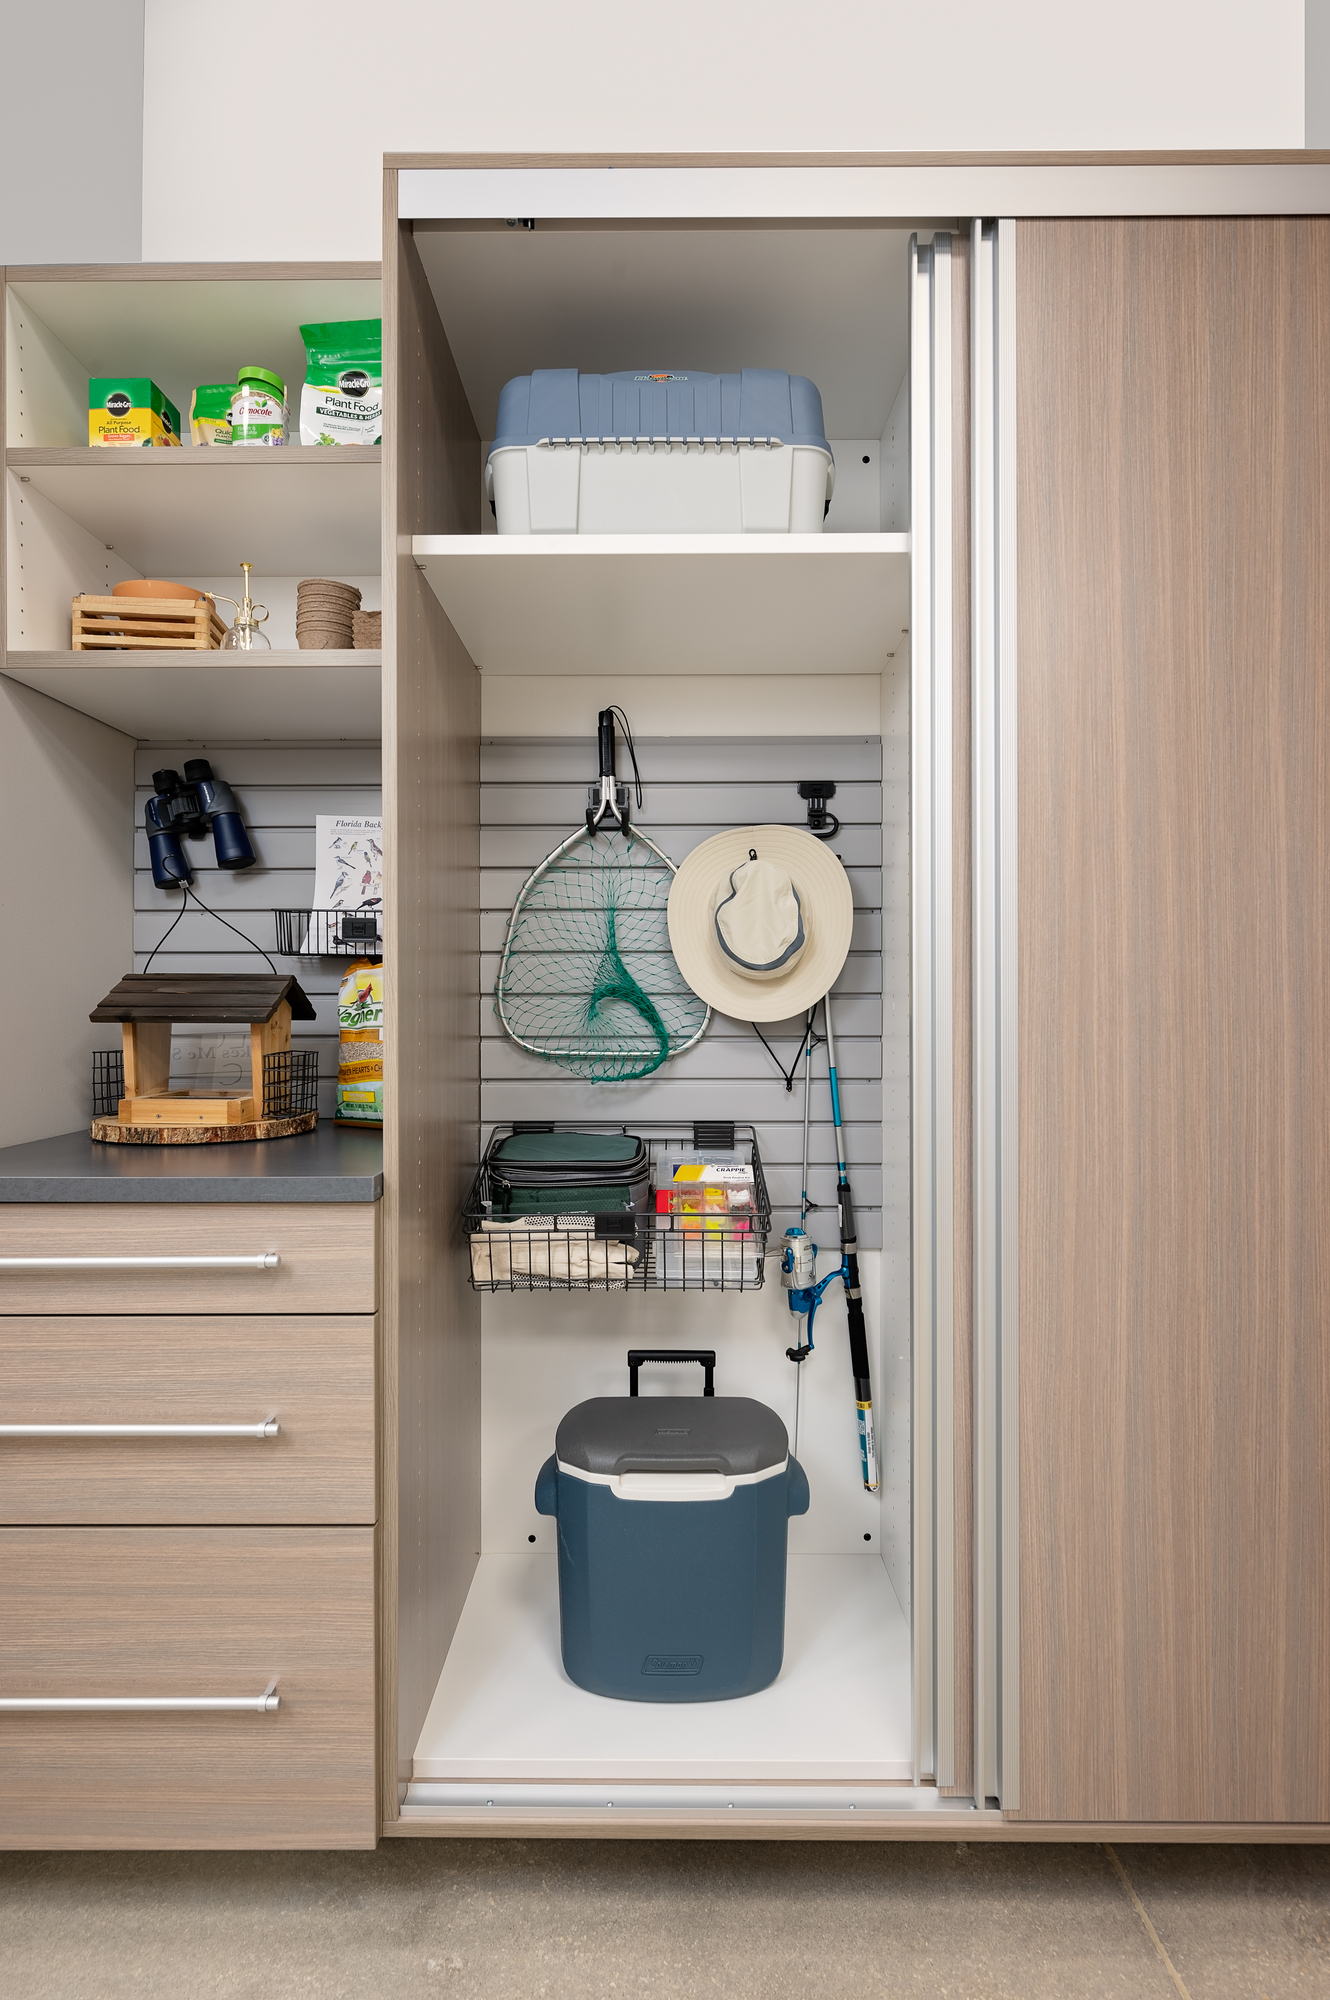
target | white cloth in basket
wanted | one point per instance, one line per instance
(543, 1250)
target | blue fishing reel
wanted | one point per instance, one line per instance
(798, 1275)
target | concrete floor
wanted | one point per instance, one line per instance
(517, 1920)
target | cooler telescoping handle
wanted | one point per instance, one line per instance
(704, 1356)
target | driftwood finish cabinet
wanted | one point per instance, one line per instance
(1096, 505)
(1173, 468)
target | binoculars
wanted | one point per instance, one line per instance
(188, 807)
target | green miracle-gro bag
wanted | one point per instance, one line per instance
(342, 400)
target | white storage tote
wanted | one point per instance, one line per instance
(663, 453)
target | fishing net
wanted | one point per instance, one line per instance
(587, 977)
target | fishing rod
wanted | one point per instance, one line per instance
(798, 1264)
(854, 1303)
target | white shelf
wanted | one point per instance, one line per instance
(661, 604)
(310, 697)
(171, 512)
(838, 1712)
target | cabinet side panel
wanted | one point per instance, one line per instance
(1174, 853)
(432, 810)
(962, 893)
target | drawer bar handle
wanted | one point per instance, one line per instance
(251, 1704)
(268, 1429)
(268, 1260)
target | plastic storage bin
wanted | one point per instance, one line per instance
(673, 1517)
(662, 453)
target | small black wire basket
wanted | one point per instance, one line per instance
(290, 1082)
(108, 1082)
(329, 933)
(630, 1249)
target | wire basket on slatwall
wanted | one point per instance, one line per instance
(624, 1250)
(329, 933)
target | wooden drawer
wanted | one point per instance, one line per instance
(201, 1614)
(313, 1376)
(326, 1257)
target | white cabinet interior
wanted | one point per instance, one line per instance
(774, 614)
(81, 520)
(191, 515)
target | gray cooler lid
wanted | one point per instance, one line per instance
(728, 1434)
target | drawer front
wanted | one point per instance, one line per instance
(216, 1377)
(195, 1614)
(325, 1258)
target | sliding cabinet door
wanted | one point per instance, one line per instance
(1172, 487)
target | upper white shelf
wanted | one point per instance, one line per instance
(278, 696)
(659, 604)
(185, 511)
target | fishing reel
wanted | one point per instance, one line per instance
(798, 1276)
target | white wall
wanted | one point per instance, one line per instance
(297, 174)
(71, 154)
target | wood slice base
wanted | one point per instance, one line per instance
(113, 1133)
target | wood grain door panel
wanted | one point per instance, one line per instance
(314, 1375)
(327, 1253)
(133, 1612)
(1174, 913)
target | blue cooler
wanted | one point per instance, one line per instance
(672, 1515)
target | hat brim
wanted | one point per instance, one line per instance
(827, 904)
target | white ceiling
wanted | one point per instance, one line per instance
(829, 303)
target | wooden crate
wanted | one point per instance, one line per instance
(143, 624)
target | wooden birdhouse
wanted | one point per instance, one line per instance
(281, 1096)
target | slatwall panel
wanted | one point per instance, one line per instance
(533, 792)
(280, 786)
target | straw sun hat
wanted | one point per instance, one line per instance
(760, 921)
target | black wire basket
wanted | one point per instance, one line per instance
(290, 1082)
(329, 933)
(626, 1250)
(108, 1082)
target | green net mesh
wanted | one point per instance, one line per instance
(588, 979)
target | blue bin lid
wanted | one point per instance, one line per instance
(661, 403)
(728, 1434)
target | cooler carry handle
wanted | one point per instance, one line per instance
(704, 1356)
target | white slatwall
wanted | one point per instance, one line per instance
(280, 786)
(532, 794)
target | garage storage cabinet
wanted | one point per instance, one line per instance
(1077, 550)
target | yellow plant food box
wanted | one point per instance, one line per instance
(130, 410)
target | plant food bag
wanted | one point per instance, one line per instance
(342, 400)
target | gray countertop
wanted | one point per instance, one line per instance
(330, 1163)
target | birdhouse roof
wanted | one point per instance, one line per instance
(202, 996)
